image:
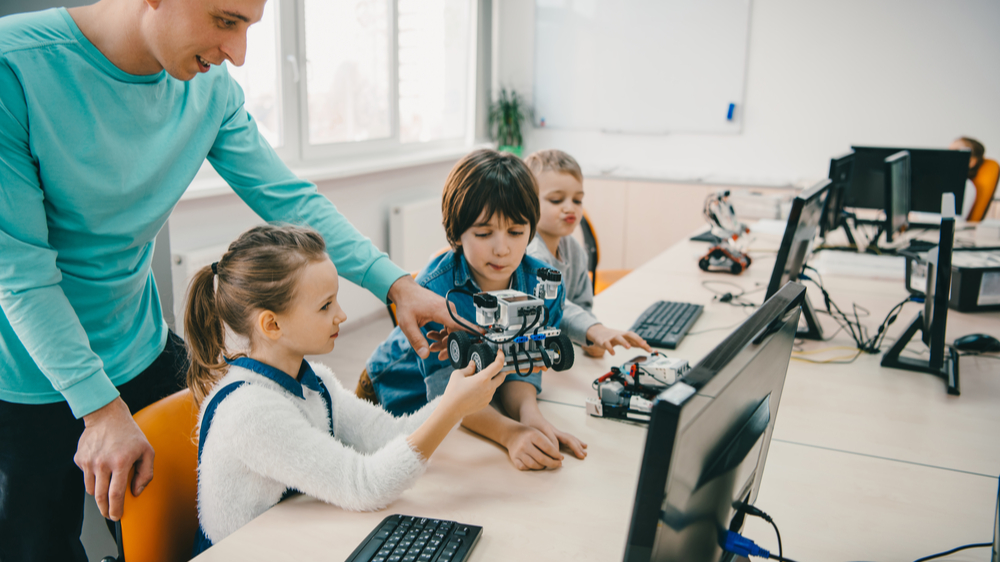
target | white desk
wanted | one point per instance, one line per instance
(866, 463)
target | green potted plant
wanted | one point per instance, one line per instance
(506, 116)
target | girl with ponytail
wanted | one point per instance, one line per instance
(271, 422)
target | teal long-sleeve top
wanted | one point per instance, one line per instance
(92, 161)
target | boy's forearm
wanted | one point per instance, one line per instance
(491, 424)
(518, 399)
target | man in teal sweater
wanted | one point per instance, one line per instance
(106, 114)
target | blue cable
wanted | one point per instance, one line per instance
(742, 546)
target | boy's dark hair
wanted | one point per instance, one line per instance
(491, 182)
(553, 160)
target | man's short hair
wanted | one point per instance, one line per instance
(491, 182)
(553, 160)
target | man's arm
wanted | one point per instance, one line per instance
(47, 326)
(248, 163)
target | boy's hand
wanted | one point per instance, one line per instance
(577, 447)
(416, 306)
(468, 392)
(530, 449)
(440, 345)
(607, 338)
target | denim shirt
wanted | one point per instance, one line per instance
(403, 381)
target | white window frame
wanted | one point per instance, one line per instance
(296, 150)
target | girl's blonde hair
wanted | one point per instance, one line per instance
(258, 272)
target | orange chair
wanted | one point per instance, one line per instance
(986, 186)
(160, 524)
(603, 278)
(391, 307)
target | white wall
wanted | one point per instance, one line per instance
(364, 200)
(821, 75)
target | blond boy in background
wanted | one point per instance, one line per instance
(560, 191)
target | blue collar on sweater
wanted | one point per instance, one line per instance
(307, 377)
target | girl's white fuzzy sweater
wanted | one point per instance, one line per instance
(264, 439)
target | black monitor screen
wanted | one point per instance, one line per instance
(796, 244)
(840, 175)
(897, 193)
(708, 439)
(933, 173)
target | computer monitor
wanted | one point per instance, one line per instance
(996, 531)
(796, 246)
(897, 193)
(934, 172)
(933, 321)
(708, 439)
(840, 178)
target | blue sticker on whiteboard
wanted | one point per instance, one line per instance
(729, 115)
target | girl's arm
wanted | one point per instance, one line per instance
(266, 433)
(365, 426)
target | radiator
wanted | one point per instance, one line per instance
(183, 267)
(416, 233)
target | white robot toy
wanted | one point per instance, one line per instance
(517, 323)
(728, 254)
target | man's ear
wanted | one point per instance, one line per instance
(267, 324)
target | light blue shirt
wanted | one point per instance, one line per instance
(92, 161)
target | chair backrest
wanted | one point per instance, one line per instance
(986, 186)
(592, 247)
(160, 524)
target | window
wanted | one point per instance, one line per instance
(259, 76)
(325, 78)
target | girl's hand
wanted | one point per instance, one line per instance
(577, 447)
(530, 449)
(607, 338)
(468, 391)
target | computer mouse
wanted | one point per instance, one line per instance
(982, 343)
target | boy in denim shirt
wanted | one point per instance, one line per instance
(490, 208)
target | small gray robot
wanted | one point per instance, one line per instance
(517, 323)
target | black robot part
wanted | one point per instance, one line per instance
(546, 274)
(484, 300)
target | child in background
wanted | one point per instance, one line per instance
(490, 209)
(560, 189)
(972, 196)
(271, 422)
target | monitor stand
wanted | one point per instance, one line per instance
(813, 329)
(948, 369)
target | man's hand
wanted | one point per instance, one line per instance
(110, 446)
(416, 306)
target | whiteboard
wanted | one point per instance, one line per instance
(640, 66)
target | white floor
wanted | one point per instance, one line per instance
(354, 346)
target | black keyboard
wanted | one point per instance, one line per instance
(664, 324)
(402, 538)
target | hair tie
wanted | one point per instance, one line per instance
(215, 268)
